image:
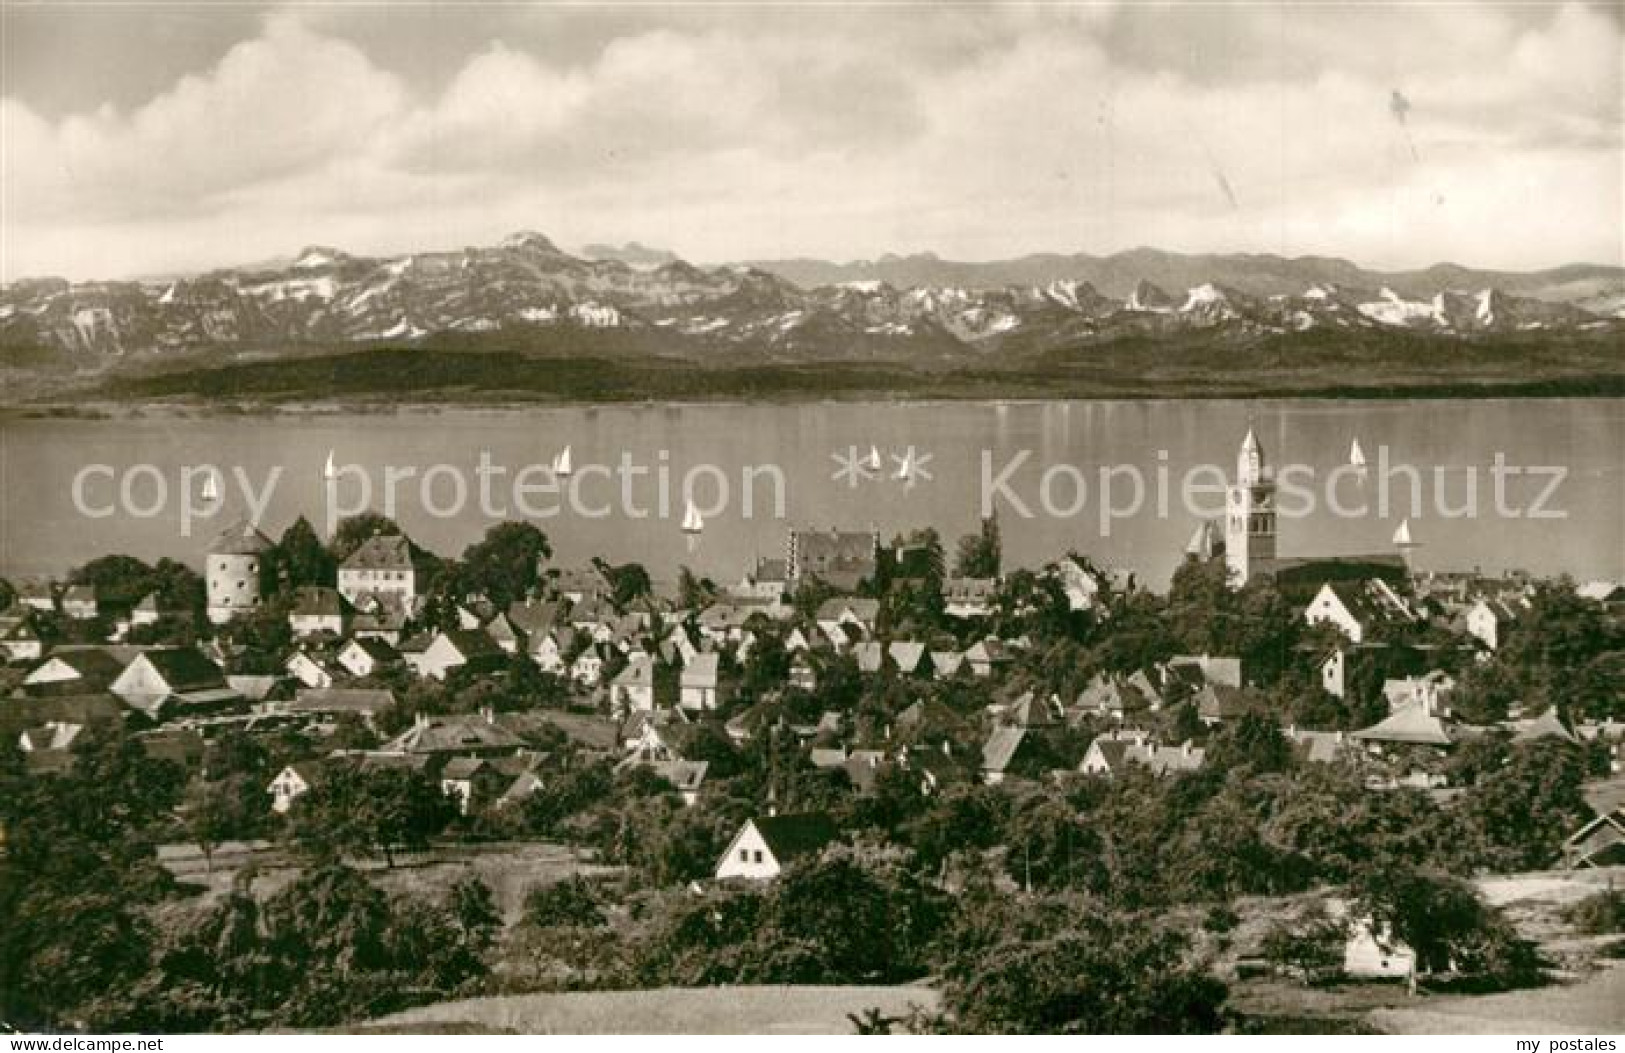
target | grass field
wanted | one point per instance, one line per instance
(666, 1010)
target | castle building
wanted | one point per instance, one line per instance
(234, 571)
(1249, 521)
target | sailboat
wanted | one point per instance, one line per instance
(692, 523)
(327, 469)
(872, 462)
(905, 470)
(211, 488)
(561, 464)
(1402, 536)
(1356, 455)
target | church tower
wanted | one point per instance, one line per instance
(1249, 514)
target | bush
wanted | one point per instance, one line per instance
(1599, 914)
(1309, 947)
(571, 903)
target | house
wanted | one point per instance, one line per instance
(317, 611)
(73, 671)
(1317, 747)
(1117, 697)
(292, 782)
(1087, 586)
(1373, 954)
(999, 752)
(764, 846)
(1490, 619)
(909, 657)
(1218, 703)
(36, 594)
(178, 680)
(308, 670)
(840, 559)
(803, 674)
(634, 687)
(969, 597)
(472, 782)
(724, 622)
(1599, 843)
(588, 668)
(147, 611)
(1547, 727)
(1429, 691)
(455, 649)
(580, 584)
(533, 619)
(462, 735)
(1411, 725)
(985, 657)
(945, 665)
(686, 777)
(1195, 670)
(505, 633)
(1359, 608)
(698, 683)
(768, 581)
(372, 619)
(365, 656)
(549, 650)
(19, 639)
(327, 703)
(79, 602)
(870, 656)
(838, 614)
(1109, 755)
(386, 568)
(1332, 670)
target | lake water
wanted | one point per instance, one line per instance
(793, 453)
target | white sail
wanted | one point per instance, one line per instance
(211, 490)
(1402, 536)
(872, 462)
(1356, 455)
(327, 469)
(561, 463)
(692, 523)
(905, 470)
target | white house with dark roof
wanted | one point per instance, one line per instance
(384, 566)
(764, 846)
(365, 656)
(699, 683)
(318, 611)
(634, 687)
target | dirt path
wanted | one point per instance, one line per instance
(1593, 1006)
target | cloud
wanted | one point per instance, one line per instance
(850, 131)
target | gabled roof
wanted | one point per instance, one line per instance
(1546, 726)
(1411, 724)
(790, 836)
(685, 776)
(473, 643)
(453, 734)
(94, 666)
(382, 552)
(906, 654)
(1001, 746)
(460, 768)
(863, 608)
(377, 649)
(184, 668)
(315, 601)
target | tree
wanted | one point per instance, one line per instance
(1443, 920)
(302, 560)
(570, 903)
(980, 554)
(361, 809)
(629, 581)
(1522, 811)
(1094, 976)
(506, 563)
(352, 531)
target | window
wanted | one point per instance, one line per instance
(744, 855)
(758, 855)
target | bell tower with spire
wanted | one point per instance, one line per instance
(1249, 520)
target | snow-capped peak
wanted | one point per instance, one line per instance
(316, 256)
(867, 288)
(529, 239)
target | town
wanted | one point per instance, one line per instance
(865, 761)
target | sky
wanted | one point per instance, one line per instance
(148, 139)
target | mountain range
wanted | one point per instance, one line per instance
(526, 292)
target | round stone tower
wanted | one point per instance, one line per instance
(233, 571)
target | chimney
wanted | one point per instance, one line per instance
(420, 721)
(489, 714)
